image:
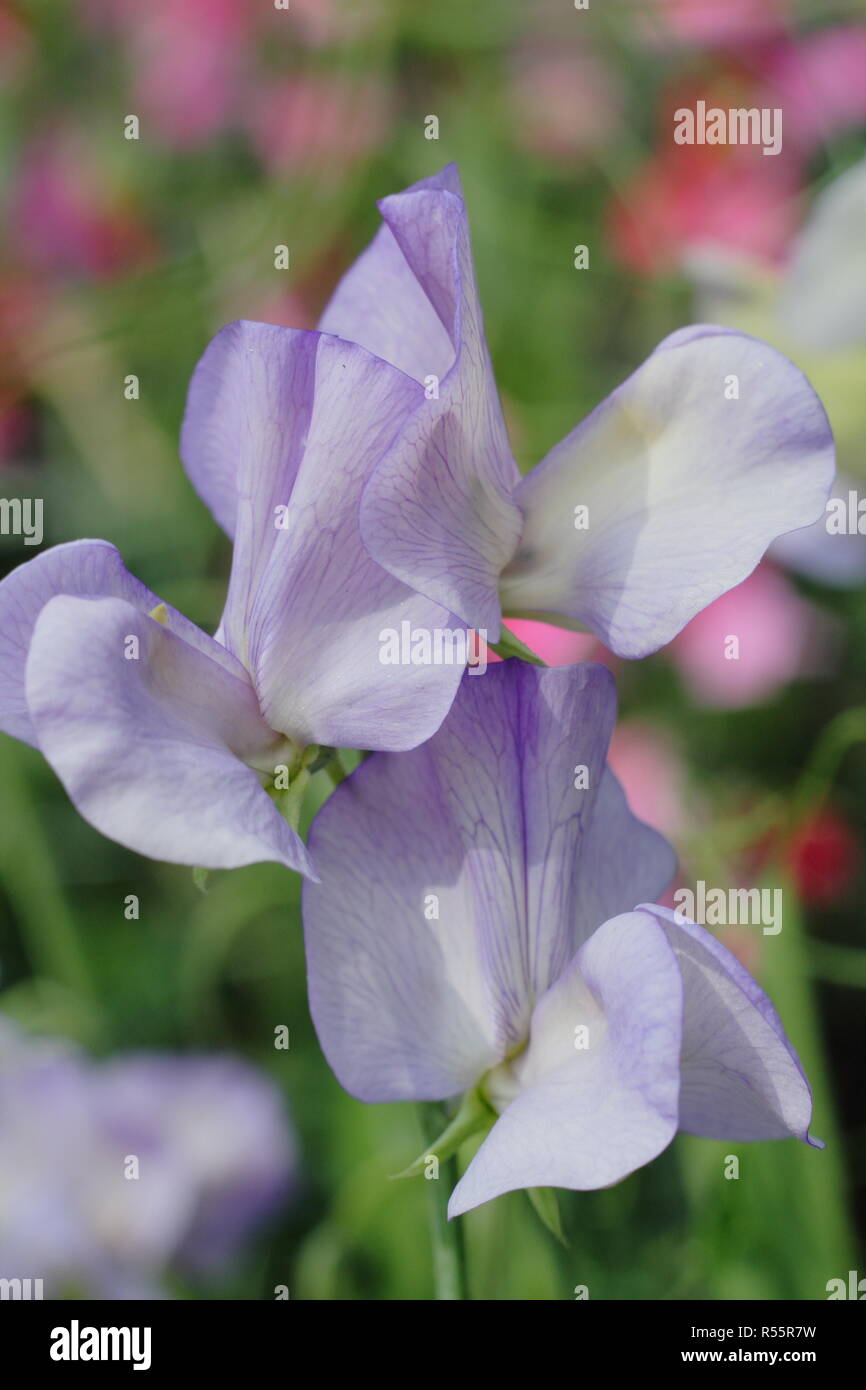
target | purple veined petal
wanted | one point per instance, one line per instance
(822, 301)
(452, 881)
(87, 568)
(302, 419)
(382, 301)
(151, 749)
(741, 1077)
(586, 1116)
(685, 490)
(438, 513)
(319, 621)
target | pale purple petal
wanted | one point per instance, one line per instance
(741, 1078)
(382, 301)
(453, 879)
(87, 568)
(586, 1117)
(438, 513)
(298, 421)
(685, 490)
(150, 749)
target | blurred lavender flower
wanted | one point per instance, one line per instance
(492, 942)
(666, 496)
(166, 738)
(213, 1149)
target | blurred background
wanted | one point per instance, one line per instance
(141, 1016)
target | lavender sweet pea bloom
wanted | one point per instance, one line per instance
(666, 496)
(476, 928)
(214, 1151)
(166, 738)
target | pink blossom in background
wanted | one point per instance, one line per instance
(820, 83)
(62, 217)
(186, 61)
(682, 199)
(650, 768)
(780, 635)
(705, 23)
(555, 645)
(307, 119)
(565, 105)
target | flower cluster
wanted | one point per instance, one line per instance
(475, 905)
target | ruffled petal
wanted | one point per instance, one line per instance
(741, 1078)
(298, 421)
(150, 738)
(684, 490)
(92, 569)
(471, 867)
(592, 1108)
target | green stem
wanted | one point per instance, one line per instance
(446, 1237)
(336, 771)
(839, 735)
(27, 868)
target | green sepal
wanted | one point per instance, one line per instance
(200, 879)
(509, 645)
(323, 756)
(473, 1116)
(546, 1206)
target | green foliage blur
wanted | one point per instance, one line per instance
(190, 227)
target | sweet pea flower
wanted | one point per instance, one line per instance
(663, 498)
(214, 1149)
(166, 738)
(475, 931)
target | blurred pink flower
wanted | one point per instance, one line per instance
(188, 61)
(307, 118)
(686, 197)
(566, 105)
(647, 762)
(62, 216)
(705, 23)
(820, 83)
(751, 642)
(555, 645)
